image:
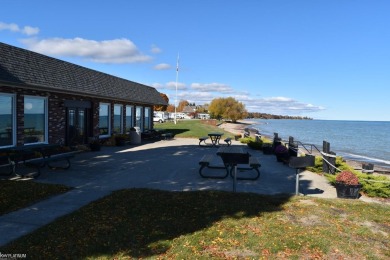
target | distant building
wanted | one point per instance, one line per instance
(47, 100)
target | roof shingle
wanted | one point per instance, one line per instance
(27, 68)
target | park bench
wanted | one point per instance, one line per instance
(39, 156)
(203, 139)
(207, 159)
(254, 164)
(167, 136)
(7, 166)
(228, 141)
(36, 156)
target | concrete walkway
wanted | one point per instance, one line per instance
(167, 165)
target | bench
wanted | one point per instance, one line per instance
(7, 164)
(203, 139)
(166, 136)
(47, 156)
(228, 141)
(254, 164)
(205, 163)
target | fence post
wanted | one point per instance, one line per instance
(329, 157)
(276, 141)
(292, 148)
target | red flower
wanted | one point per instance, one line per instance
(347, 177)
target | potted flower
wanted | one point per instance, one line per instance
(347, 185)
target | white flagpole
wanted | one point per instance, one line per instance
(177, 77)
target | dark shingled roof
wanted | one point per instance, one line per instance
(26, 68)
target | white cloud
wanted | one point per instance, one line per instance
(162, 66)
(155, 49)
(281, 106)
(157, 85)
(109, 51)
(172, 86)
(27, 30)
(212, 87)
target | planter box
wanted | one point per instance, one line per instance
(348, 191)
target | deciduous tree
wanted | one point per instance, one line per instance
(227, 108)
(182, 105)
(161, 107)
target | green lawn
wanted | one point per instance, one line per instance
(15, 195)
(151, 224)
(191, 128)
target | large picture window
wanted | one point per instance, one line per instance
(118, 119)
(138, 117)
(129, 118)
(35, 119)
(7, 120)
(148, 112)
(104, 119)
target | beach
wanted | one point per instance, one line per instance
(239, 128)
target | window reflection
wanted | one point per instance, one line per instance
(34, 119)
(129, 118)
(138, 117)
(7, 127)
(147, 118)
(118, 119)
(104, 119)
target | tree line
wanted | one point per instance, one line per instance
(223, 108)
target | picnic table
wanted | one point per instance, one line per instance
(36, 155)
(231, 157)
(215, 137)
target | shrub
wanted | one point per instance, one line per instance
(375, 186)
(247, 140)
(256, 145)
(347, 177)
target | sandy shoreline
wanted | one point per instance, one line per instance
(238, 128)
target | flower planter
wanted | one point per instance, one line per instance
(347, 191)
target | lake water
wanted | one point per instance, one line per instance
(366, 141)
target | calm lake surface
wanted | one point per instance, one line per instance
(366, 141)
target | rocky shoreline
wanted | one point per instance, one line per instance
(239, 128)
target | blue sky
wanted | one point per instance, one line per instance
(325, 59)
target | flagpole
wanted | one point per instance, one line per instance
(177, 77)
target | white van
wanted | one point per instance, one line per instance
(158, 117)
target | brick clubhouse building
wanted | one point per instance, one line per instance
(47, 100)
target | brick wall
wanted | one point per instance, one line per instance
(57, 112)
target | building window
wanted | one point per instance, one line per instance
(35, 119)
(129, 118)
(138, 117)
(148, 112)
(104, 119)
(7, 120)
(118, 119)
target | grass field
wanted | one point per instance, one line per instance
(191, 128)
(19, 194)
(151, 224)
